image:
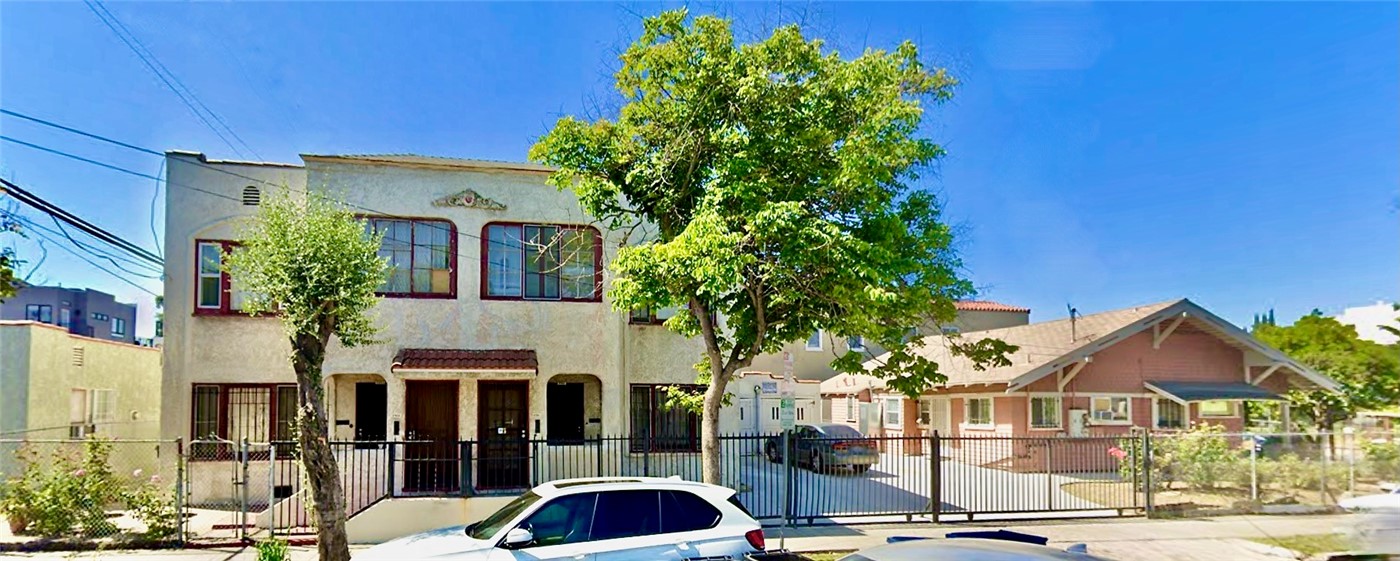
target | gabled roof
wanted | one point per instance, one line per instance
(1046, 347)
(418, 160)
(986, 306)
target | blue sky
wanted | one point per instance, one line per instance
(1244, 155)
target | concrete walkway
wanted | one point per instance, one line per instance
(1124, 539)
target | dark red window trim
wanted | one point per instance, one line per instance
(225, 294)
(451, 256)
(225, 451)
(597, 263)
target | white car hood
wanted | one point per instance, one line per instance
(443, 543)
(1389, 501)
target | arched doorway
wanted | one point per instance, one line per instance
(360, 408)
(573, 408)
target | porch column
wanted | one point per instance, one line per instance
(1287, 417)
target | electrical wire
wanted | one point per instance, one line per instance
(187, 96)
(20, 194)
(95, 264)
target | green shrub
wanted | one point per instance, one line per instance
(1382, 460)
(1204, 456)
(69, 493)
(272, 550)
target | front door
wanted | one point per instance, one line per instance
(565, 402)
(430, 457)
(502, 419)
(371, 411)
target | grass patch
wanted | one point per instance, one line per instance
(1308, 544)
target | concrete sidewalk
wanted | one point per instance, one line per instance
(1124, 539)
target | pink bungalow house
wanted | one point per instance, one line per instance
(1159, 367)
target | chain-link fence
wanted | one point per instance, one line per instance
(92, 490)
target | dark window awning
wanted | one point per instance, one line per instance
(465, 359)
(1210, 391)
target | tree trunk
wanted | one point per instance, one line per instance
(317, 460)
(709, 428)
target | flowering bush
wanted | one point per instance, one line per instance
(70, 492)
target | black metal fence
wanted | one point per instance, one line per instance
(816, 480)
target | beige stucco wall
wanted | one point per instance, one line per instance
(568, 337)
(51, 372)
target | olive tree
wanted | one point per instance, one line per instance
(310, 263)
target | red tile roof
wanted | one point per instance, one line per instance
(465, 359)
(985, 306)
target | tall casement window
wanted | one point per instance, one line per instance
(977, 412)
(1169, 414)
(1045, 412)
(542, 262)
(232, 412)
(659, 428)
(214, 290)
(422, 255)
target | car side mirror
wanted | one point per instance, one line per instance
(516, 538)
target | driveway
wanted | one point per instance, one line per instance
(901, 485)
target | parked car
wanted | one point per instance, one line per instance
(1384, 502)
(613, 519)
(822, 447)
(998, 545)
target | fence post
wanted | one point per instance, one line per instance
(1049, 476)
(598, 455)
(935, 477)
(1147, 471)
(464, 453)
(271, 489)
(1253, 468)
(393, 450)
(180, 503)
(1326, 464)
(243, 489)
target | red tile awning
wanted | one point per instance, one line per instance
(465, 359)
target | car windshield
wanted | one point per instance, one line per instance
(492, 524)
(839, 431)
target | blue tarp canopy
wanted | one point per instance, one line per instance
(1211, 391)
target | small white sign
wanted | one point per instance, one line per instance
(769, 388)
(787, 412)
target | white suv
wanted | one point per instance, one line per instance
(641, 519)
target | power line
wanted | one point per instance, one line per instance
(153, 63)
(58, 213)
(94, 264)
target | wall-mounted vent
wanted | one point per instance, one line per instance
(251, 196)
(77, 356)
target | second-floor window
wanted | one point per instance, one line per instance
(118, 327)
(542, 262)
(214, 290)
(422, 256)
(39, 312)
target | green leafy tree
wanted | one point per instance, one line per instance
(776, 181)
(1369, 373)
(9, 283)
(310, 263)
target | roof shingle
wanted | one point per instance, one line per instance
(987, 306)
(465, 359)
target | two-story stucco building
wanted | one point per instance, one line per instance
(490, 332)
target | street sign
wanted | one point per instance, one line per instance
(787, 412)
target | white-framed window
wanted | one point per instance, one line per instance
(851, 408)
(1217, 408)
(814, 341)
(104, 405)
(978, 412)
(1046, 412)
(1168, 414)
(855, 343)
(118, 327)
(894, 412)
(1110, 410)
(210, 290)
